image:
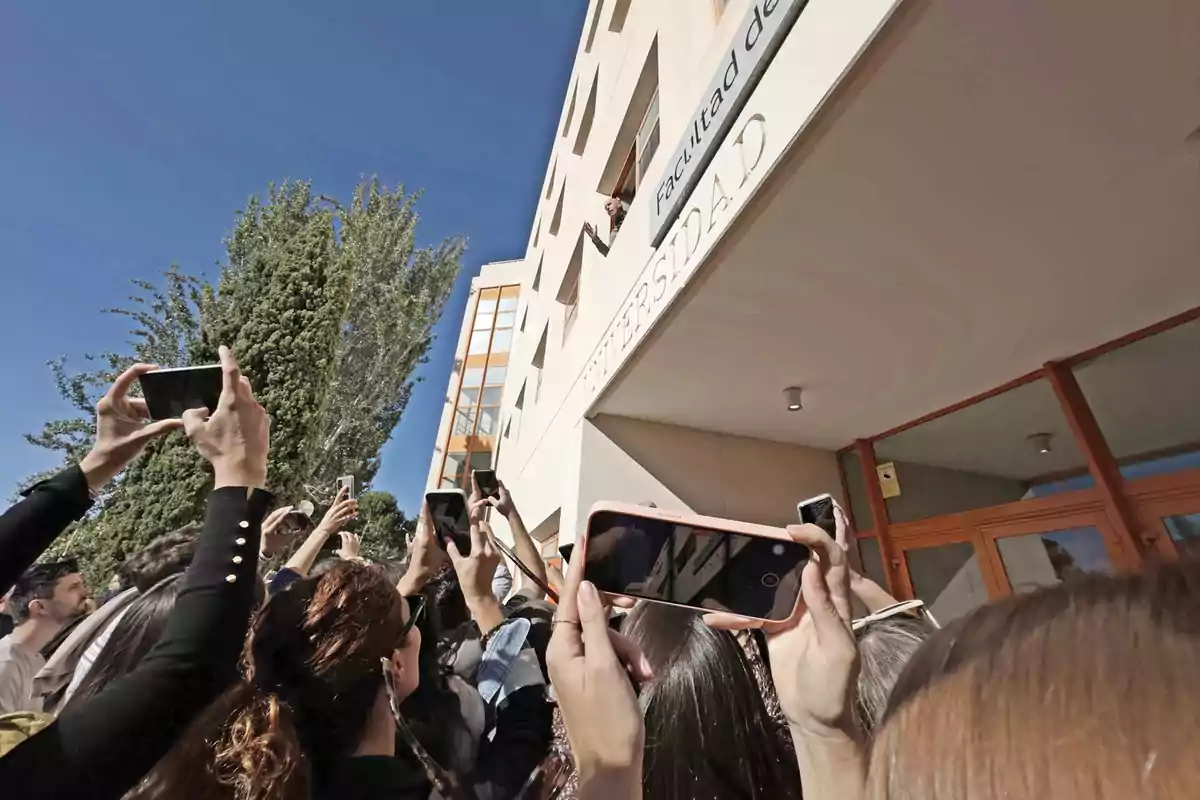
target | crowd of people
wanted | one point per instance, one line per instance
(206, 671)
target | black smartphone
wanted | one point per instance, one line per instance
(698, 562)
(485, 479)
(170, 392)
(448, 508)
(818, 511)
(348, 482)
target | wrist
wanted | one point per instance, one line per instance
(252, 476)
(413, 581)
(603, 781)
(99, 467)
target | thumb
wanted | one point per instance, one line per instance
(155, 429)
(193, 420)
(594, 621)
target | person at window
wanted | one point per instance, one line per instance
(616, 209)
(44, 600)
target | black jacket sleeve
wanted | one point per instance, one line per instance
(107, 745)
(28, 528)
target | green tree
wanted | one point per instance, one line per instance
(328, 308)
(383, 527)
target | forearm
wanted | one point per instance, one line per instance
(872, 595)
(832, 764)
(105, 746)
(32, 525)
(487, 612)
(306, 555)
(526, 549)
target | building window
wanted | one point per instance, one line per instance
(591, 37)
(474, 424)
(647, 139)
(556, 220)
(634, 146)
(452, 471)
(538, 363)
(568, 292)
(537, 276)
(620, 12)
(570, 109)
(550, 183)
(589, 114)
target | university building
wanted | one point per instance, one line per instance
(938, 258)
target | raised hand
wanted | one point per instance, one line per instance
(122, 429)
(590, 667)
(351, 546)
(814, 660)
(273, 539)
(234, 439)
(476, 570)
(340, 512)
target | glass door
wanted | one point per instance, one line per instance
(1051, 549)
(950, 573)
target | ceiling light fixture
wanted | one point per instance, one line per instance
(1041, 442)
(792, 393)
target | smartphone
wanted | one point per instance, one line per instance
(693, 561)
(348, 482)
(448, 508)
(485, 479)
(170, 392)
(818, 511)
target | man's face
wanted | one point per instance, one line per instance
(612, 205)
(69, 599)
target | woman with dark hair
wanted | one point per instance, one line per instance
(708, 733)
(313, 715)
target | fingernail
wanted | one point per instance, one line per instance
(588, 595)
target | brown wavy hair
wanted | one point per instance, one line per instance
(1083, 690)
(312, 674)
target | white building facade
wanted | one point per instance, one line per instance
(933, 217)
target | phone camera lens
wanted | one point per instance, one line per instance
(778, 549)
(770, 580)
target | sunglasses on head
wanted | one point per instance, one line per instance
(913, 608)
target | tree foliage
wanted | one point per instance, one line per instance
(329, 309)
(383, 527)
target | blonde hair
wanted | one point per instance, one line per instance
(1085, 690)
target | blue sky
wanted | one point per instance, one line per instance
(130, 132)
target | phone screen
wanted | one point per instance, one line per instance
(170, 392)
(819, 511)
(348, 482)
(449, 513)
(486, 478)
(711, 570)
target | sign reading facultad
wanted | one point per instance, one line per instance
(754, 45)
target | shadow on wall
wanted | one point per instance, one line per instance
(716, 474)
